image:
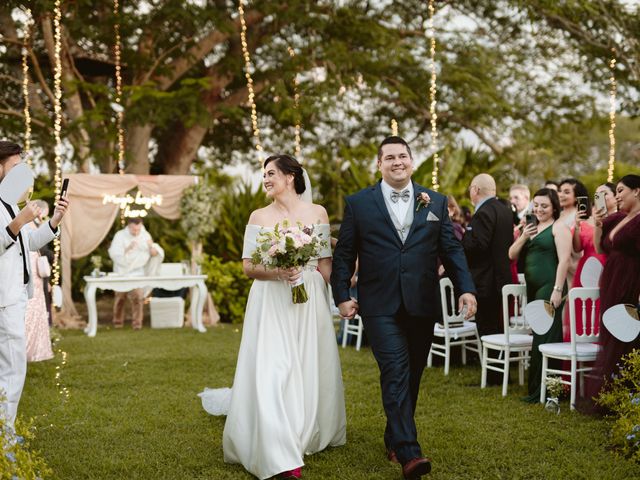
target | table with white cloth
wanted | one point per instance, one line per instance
(123, 283)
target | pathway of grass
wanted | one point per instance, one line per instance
(133, 413)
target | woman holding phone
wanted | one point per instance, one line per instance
(573, 197)
(546, 249)
(617, 235)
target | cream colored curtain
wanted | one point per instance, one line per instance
(88, 220)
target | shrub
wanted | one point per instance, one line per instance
(16, 460)
(622, 398)
(229, 287)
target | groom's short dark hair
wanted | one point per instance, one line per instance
(394, 139)
(9, 149)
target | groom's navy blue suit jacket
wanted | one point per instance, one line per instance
(391, 273)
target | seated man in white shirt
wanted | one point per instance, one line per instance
(130, 250)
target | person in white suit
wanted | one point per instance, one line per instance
(16, 282)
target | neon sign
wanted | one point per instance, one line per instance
(137, 206)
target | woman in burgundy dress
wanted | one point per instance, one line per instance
(618, 236)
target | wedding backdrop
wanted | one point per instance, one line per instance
(90, 218)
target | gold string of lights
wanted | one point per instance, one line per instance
(63, 390)
(432, 98)
(247, 74)
(394, 127)
(25, 83)
(118, 67)
(57, 127)
(612, 116)
(296, 107)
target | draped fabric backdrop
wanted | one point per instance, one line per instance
(89, 220)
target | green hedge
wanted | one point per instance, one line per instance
(229, 287)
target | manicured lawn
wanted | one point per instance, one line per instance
(133, 413)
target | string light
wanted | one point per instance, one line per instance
(57, 122)
(432, 98)
(120, 110)
(247, 74)
(612, 116)
(63, 390)
(25, 83)
(296, 107)
(394, 127)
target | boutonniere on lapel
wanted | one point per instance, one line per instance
(423, 200)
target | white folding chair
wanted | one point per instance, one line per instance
(521, 279)
(514, 345)
(580, 350)
(454, 330)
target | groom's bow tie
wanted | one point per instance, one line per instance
(404, 195)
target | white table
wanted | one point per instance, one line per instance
(122, 283)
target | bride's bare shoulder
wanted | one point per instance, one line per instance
(260, 216)
(319, 213)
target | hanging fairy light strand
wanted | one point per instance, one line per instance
(118, 105)
(57, 127)
(612, 116)
(432, 98)
(296, 107)
(394, 127)
(247, 74)
(25, 83)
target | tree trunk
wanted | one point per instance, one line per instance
(137, 159)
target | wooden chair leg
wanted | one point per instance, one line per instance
(505, 373)
(483, 377)
(543, 378)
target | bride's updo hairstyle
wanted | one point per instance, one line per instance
(289, 166)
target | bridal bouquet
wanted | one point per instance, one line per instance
(287, 247)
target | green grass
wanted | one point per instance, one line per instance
(133, 413)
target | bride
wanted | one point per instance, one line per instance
(287, 398)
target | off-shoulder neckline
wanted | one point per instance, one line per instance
(264, 226)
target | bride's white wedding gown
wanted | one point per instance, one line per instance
(287, 398)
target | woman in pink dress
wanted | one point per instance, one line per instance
(37, 318)
(583, 243)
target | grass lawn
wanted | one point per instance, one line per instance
(133, 413)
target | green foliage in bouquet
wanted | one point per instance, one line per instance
(17, 461)
(229, 287)
(622, 399)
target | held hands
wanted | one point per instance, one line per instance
(58, 212)
(468, 300)
(348, 309)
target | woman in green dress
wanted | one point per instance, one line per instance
(546, 248)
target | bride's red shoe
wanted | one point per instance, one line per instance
(296, 473)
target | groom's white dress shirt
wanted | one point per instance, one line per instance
(400, 207)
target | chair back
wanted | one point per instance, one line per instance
(514, 295)
(170, 270)
(450, 316)
(521, 279)
(585, 299)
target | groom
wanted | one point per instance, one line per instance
(397, 230)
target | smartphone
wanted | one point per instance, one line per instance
(583, 206)
(65, 187)
(599, 201)
(531, 219)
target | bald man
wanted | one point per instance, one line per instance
(486, 245)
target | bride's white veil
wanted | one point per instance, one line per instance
(307, 195)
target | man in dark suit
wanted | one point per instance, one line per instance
(397, 229)
(486, 244)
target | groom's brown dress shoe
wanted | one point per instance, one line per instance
(391, 456)
(416, 468)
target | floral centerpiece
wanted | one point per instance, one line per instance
(96, 261)
(288, 246)
(555, 388)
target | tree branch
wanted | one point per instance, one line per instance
(15, 113)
